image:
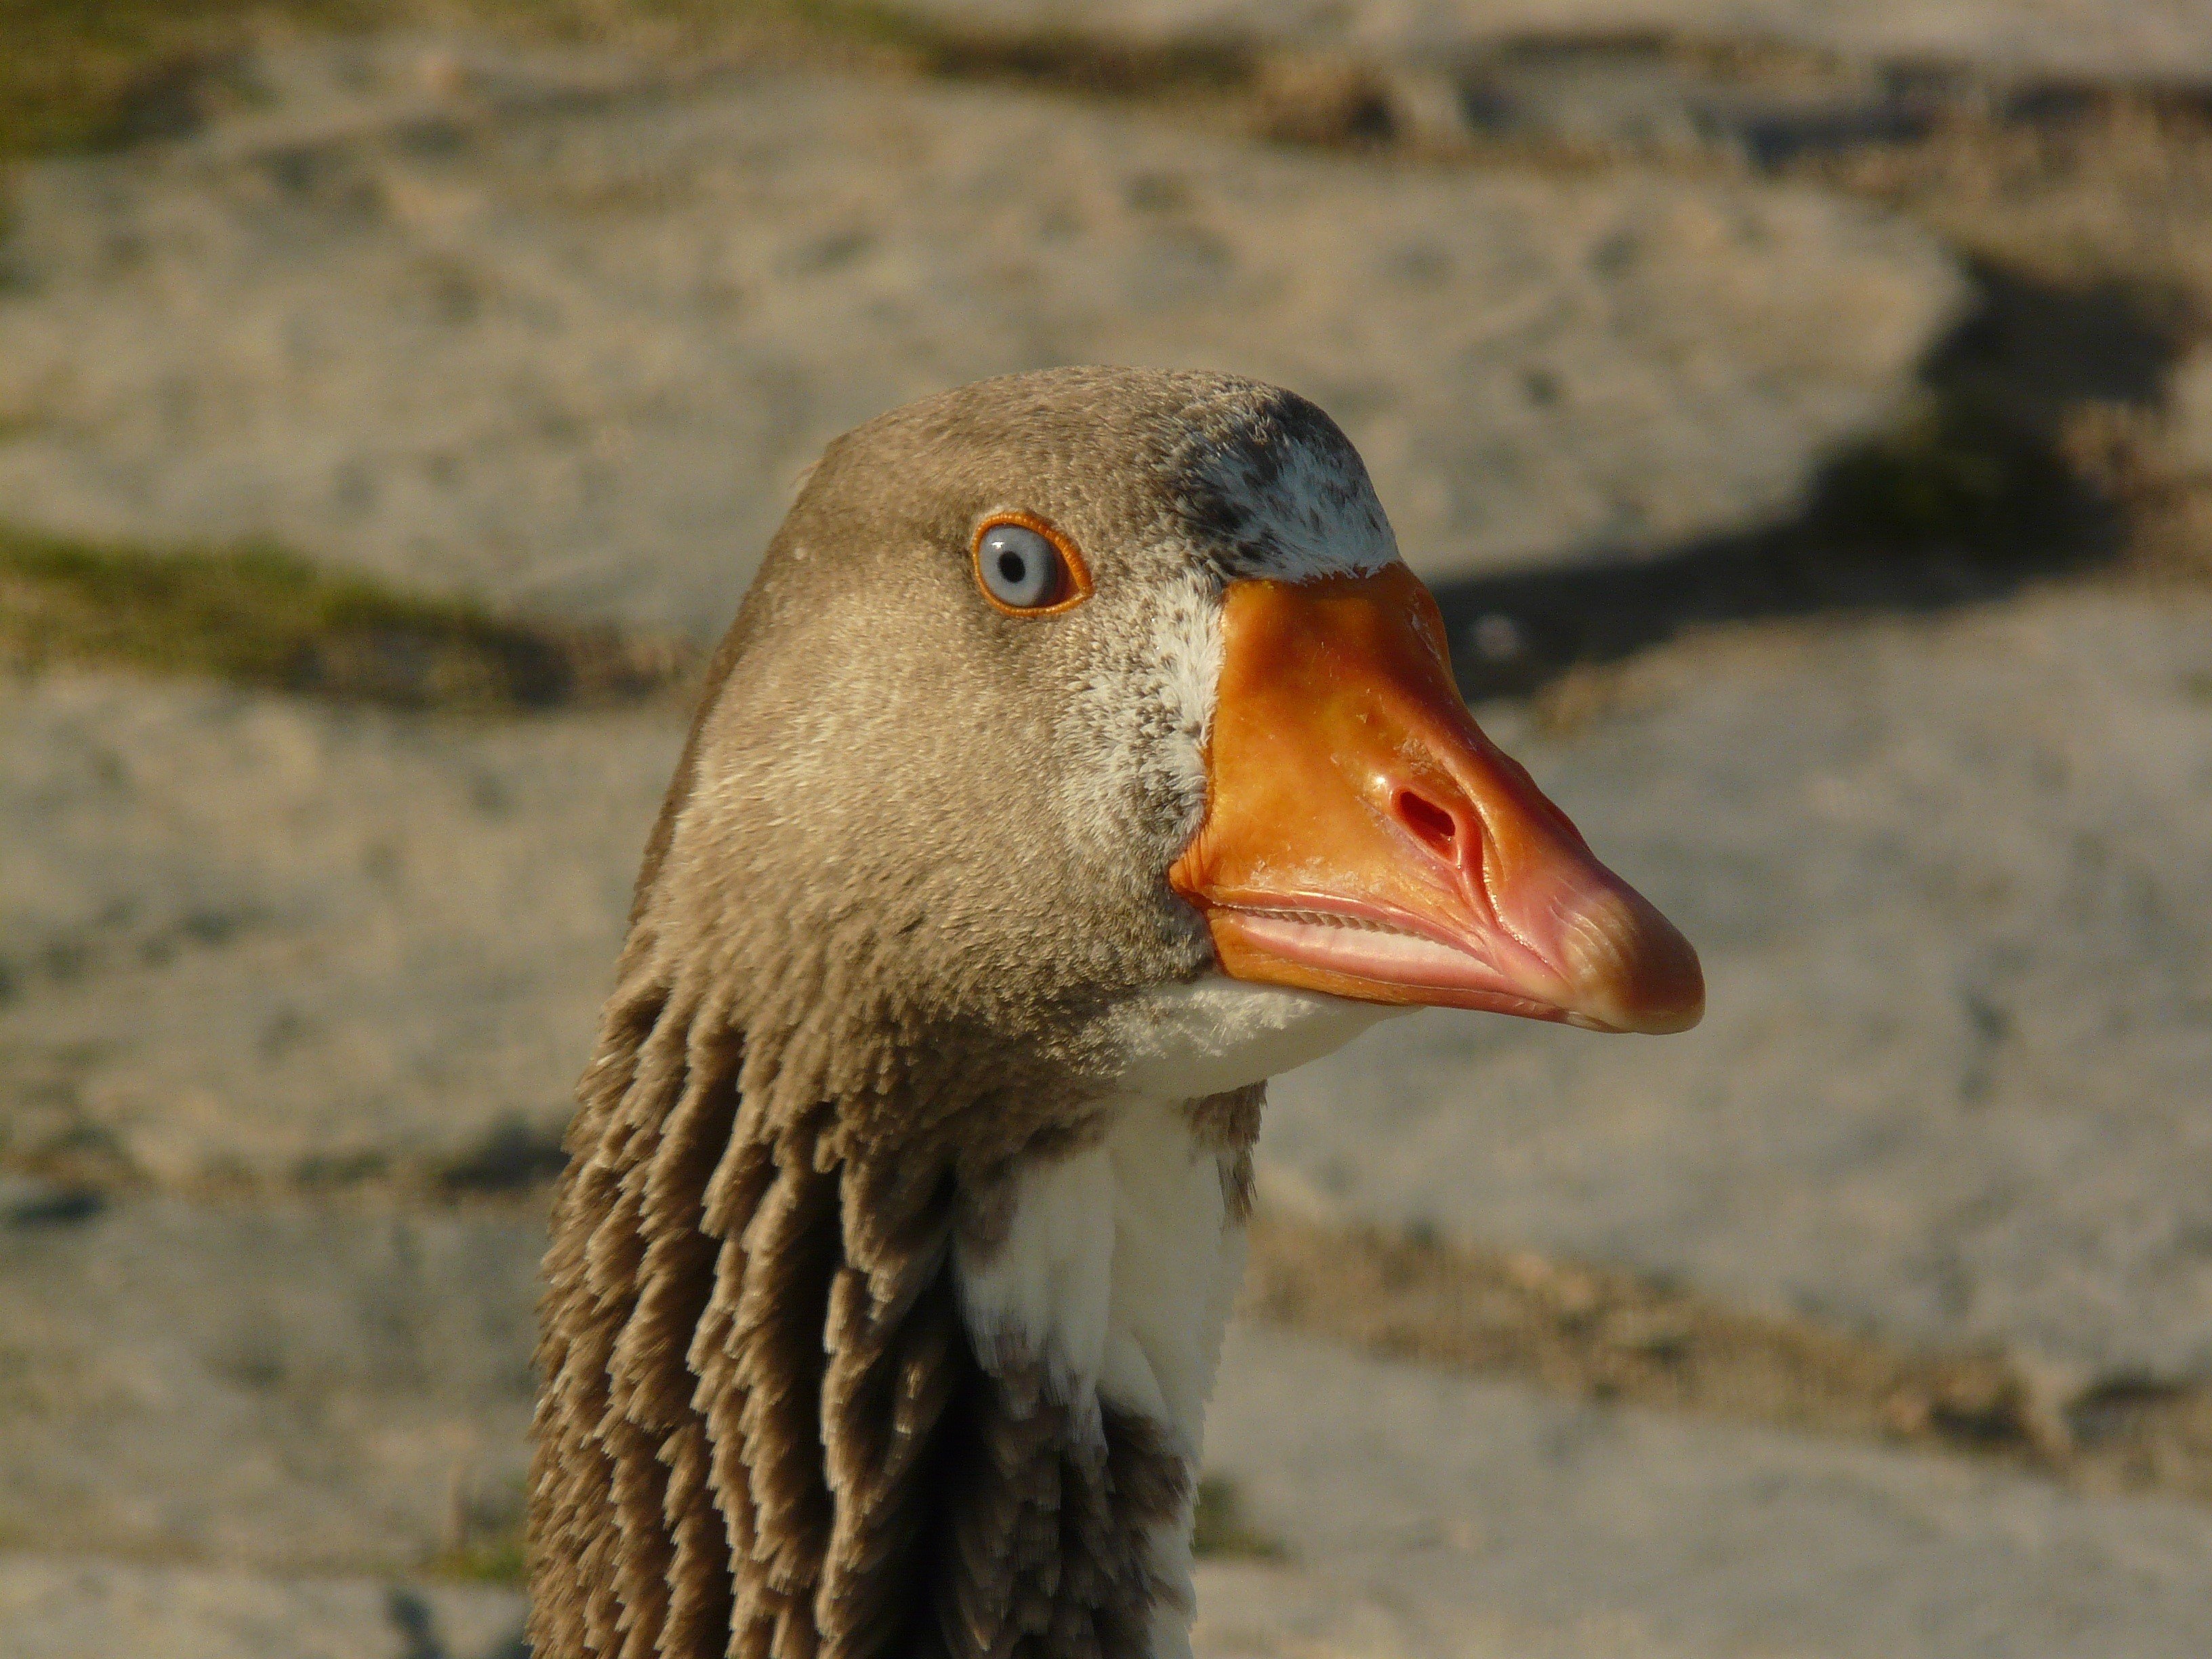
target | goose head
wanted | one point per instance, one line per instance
(1084, 754)
(1065, 703)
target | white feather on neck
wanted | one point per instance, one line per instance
(1117, 1271)
(1120, 1261)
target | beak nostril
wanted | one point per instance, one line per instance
(1429, 822)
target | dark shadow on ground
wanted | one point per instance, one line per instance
(1992, 482)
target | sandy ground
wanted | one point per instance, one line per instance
(83, 1609)
(1946, 877)
(1949, 881)
(251, 939)
(1443, 1517)
(355, 1399)
(291, 994)
(2149, 39)
(283, 1386)
(461, 331)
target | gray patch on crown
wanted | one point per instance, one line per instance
(1272, 488)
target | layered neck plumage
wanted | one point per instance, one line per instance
(767, 1425)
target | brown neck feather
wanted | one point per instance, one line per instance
(763, 1430)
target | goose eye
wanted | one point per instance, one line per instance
(1022, 568)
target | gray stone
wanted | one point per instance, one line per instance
(1432, 1517)
(248, 938)
(1948, 877)
(290, 1392)
(1950, 882)
(574, 353)
(87, 1607)
(315, 1390)
(2145, 39)
(2190, 417)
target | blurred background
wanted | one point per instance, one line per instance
(1803, 411)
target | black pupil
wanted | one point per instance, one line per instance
(1012, 567)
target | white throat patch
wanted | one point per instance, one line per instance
(1215, 1034)
(1121, 1262)
(1117, 1271)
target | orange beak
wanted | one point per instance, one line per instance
(1363, 837)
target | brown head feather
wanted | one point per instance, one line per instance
(871, 965)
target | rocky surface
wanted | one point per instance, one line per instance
(465, 326)
(1946, 875)
(251, 939)
(1748, 87)
(291, 996)
(284, 1389)
(2149, 39)
(309, 1389)
(85, 1607)
(1428, 1517)
(1955, 1082)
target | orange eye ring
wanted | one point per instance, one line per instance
(1073, 584)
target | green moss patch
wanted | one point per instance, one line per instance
(499, 1559)
(1220, 1531)
(257, 615)
(76, 74)
(94, 74)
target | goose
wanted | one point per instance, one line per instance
(1082, 754)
